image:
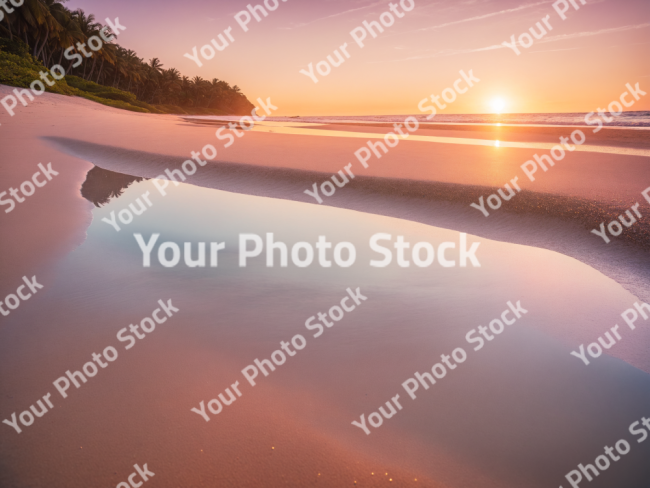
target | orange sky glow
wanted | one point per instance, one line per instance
(582, 64)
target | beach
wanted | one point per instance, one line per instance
(519, 412)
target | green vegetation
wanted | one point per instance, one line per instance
(36, 35)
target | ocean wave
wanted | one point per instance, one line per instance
(639, 119)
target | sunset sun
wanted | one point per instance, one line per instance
(498, 105)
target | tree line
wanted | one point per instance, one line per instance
(48, 28)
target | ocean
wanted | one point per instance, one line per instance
(626, 119)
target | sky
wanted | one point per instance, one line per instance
(582, 64)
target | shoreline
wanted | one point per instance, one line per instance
(611, 136)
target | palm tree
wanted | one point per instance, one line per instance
(108, 53)
(170, 84)
(89, 28)
(156, 65)
(69, 34)
(60, 29)
(30, 21)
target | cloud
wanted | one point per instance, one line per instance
(446, 52)
(374, 4)
(485, 16)
(562, 37)
(576, 35)
(555, 50)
